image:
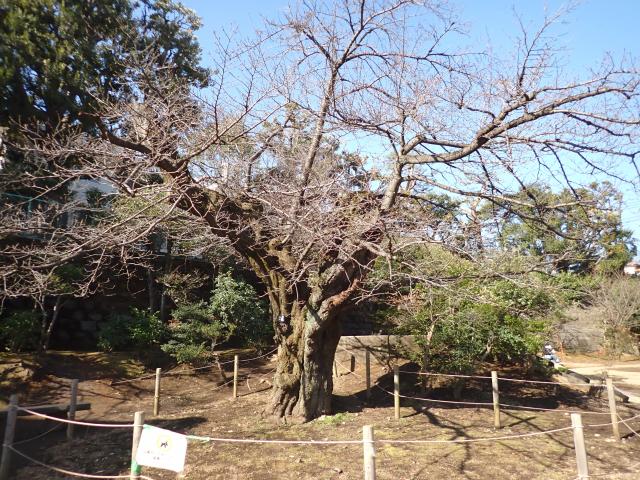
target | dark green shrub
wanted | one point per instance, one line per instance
(137, 330)
(235, 302)
(195, 332)
(20, 331)
(234, 310)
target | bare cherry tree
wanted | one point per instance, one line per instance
(324, 145)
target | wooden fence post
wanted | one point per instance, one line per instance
(396, 391)
(236, 362)
(367, 368)
(612, 408)
(369, 453)
(138, 422)
(424, 380)
(496, 399)
(73, 403)
(9, 432)
(581, 451)
(156, 394)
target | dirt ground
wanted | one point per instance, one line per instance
(625, 371)
(195, 403)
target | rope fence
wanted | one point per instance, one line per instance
(69, 472)
(368, 442)
(486, 377)
(192, 369)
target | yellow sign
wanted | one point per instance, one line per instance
(161, 448)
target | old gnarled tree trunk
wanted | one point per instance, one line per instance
(303, 382)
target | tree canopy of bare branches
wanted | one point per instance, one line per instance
(270, 159)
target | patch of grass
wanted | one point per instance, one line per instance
(333, 420)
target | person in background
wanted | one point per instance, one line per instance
(549, 353)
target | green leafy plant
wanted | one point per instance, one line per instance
(195, 332)
(234, 311)
(137, 330)
(20, 331)
(459, 327)
(236, 302)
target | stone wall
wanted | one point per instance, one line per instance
(82, 318)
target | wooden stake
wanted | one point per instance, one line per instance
(396, 391)
(367, 367)
(369, 453)
(236, 362)
(581, 451)
(156, 394)
(138, 422)
(9, 432)
(424, 380)
(73, 403)
(352, 363)
(612, 408)
(496, 399)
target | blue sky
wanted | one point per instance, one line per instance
(593, 28)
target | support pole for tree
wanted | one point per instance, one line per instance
(236, 362)
(396, 391)
(156, 394)
(73, 403)
(613, 409)
(581, 451)
(367, 368)
(138, 422)
(9, 432)
(369, 450)
(496, 399)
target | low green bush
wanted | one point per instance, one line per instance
(234, 311)
(20, 331)
(139, 329)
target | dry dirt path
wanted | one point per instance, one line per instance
(625, 373)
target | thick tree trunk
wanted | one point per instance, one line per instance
(303, 382)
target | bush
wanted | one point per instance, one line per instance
(195, 332)
(234, 310)
(20, 331)
(235, 302)
(139, 329)
(459, 327)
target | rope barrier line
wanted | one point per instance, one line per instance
(624, 421)
(257, 358)
(352, 442)
(454, 402)
(549, 382)
(221, 363)
(284, 442)
(611, 423)
(430, 374)
(193, 369)
(556, 410)
(484, 439)
(44, 434)
(86, 424)
(196, 388)
(69, 472)
(504, 405)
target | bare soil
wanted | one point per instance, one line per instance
(195, 403)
